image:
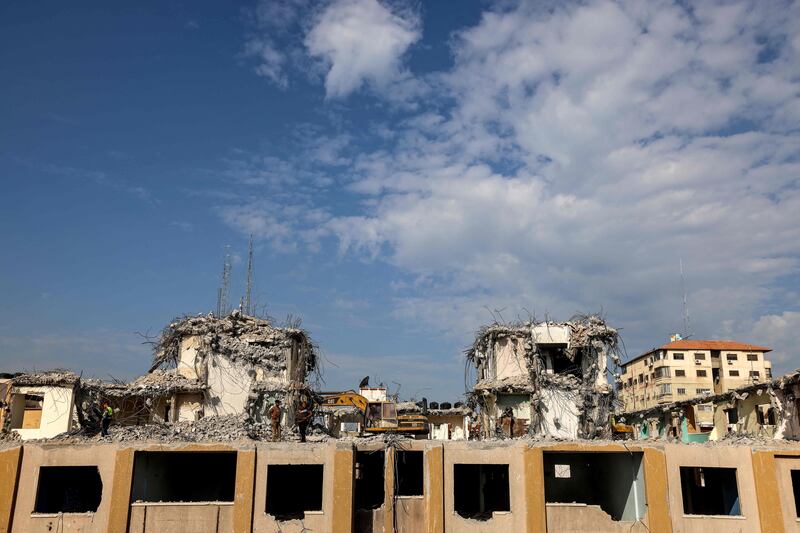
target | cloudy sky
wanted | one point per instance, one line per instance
(408, 170)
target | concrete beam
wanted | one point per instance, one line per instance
(767, 492)
(434, 490)
(342, 516)
(121, 491)
(536, 512)
(244, 491)
(657, 491)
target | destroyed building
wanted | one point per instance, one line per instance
(241, 365)
(550, 377)
(231, 368)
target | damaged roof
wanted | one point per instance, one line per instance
(48, 378)
(238, 337)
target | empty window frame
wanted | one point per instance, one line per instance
(409, 470)
(612, 481)
(68, 489)
(765, 415)
(709, 491)
(184, 476)
(677, 356)
(480, 490)
(293, 489)
(755, 374)
(752, 357)
(369, 489)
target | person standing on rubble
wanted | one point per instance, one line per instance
(105, 420)
(303, 418)
(275, 417)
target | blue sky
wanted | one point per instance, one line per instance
(404, 169)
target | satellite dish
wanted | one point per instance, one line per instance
(364, 382)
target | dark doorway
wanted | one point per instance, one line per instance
(710, 491)
(796, 491)
(293, 489)
(409, 473)
(68, 489)
(480, 490)
(369, 490)
(184, 476)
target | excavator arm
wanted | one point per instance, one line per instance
(347, 398)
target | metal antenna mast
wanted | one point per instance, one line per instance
(223, 293)
(248, 309)
(686, 324)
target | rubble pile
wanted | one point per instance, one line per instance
(238, 337)
(52, 378)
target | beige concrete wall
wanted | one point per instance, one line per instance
(678, 455)
(294, 454)
(509, 359)
(188, 356)
(487, 453)
(10, 463)
(785, 493)
(56, 411)
(36, 455)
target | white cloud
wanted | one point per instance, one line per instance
(577, 153)
(361, 41)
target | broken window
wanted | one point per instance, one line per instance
(369, 489)
(293, 489)
(480, 490)
(710, 491)
(612, 481)
(184, 476)
(409, 473)
(765, 415)
(26, 411)
(68, 489)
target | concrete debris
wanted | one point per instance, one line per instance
(50, 378)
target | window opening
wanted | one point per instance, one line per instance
(369, 489)
(68, 489)
(612, 481)
(408, 467)
(480, 490)
(184, 476)
(293, 489)
(710, 491)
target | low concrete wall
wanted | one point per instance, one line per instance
(103, 456)
(181, 518)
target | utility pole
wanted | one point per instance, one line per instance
(223, 293)
(248, 308)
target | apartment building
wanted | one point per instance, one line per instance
(683, 369)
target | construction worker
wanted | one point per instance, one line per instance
(275, 417)
(303, 418)
(105, 420)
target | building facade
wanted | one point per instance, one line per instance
(687, 368)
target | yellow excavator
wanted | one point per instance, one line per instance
(379, 416)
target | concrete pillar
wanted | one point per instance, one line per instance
(434, 490)
(245, 491)
(388, 490)
(536, 512)
(342, 515)
(767, 492)
(657, 491)
(121, 491)
(10, 462)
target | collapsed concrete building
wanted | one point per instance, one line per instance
(764, 411)
(206, 367)
(551, 377)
